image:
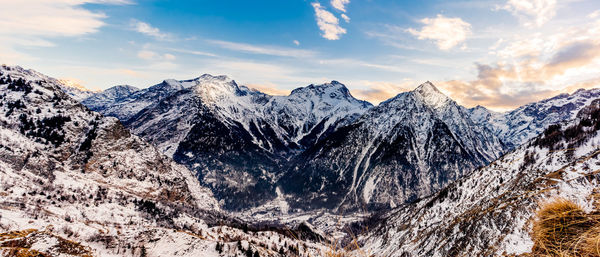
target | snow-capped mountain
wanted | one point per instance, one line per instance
(309, 112)
(76, 183)
(517, 126)
(234, 137)
(488, 212)
(407, 147)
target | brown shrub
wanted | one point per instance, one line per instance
(563, 228)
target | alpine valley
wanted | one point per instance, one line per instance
(209, 167)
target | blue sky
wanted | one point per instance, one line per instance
(499, 54)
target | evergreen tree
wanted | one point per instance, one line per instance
(143, 252)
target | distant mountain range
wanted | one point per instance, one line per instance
(322, 147)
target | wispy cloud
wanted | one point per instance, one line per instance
(263, 49)
(153, 56)
(193, 52)
(378, 91)
(446, 32)
(347, 62)
(328, 23)
(345, 17)
(269, 88)
(147, 29)
(533, 13)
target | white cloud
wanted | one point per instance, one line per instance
(147, 55)
(328, 23)
(534, 13)
(530, 67)
(169, 57)
(594, 14)
(296, 42)
(34, 22)
(346, 18)
(266, 50)
(447, 32)
(147, 29)
(50, 18)
(340, 4)
(153, 56)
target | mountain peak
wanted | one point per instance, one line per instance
(212, 88)
(330, 87)
(428, 87)
(431, 95)
(207, 76)
(120, 90)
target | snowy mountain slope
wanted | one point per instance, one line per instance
(81, 183)
(517, 126)
(235, 138)
(487, 212)
(125, 105)
(108, 96)
(407, 147)
(73, 89)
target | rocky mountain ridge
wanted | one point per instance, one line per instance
(488, 212)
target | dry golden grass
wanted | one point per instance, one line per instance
(18, 244)
(22, 252)
(563, 229)
(16, 234)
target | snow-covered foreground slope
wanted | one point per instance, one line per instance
(74, 183)
(487, 213)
